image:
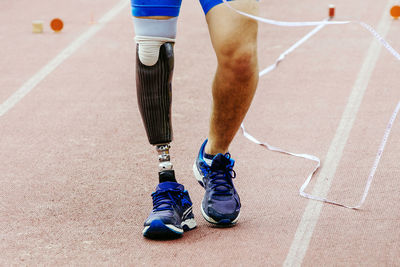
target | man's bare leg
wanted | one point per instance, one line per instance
(234, 38)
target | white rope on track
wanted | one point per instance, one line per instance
(319, 26)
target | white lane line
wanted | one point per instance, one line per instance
(312, 212)
(60, 58)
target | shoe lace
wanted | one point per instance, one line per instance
(221, 179)
(165, 199)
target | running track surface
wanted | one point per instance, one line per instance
(77, 171)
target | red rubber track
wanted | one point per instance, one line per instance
(77, 171)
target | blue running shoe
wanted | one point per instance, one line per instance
(172, 212)
(221, 203)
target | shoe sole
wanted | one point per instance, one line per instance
(223, 222)
(158, 230)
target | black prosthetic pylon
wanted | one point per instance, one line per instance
(154, 93)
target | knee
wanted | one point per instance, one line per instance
(239, 59)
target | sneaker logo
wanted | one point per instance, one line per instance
(186, 212)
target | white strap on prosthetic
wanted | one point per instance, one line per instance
(151, 34)
(149, 48)
(319, 25)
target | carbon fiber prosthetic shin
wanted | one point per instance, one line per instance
(154, 93)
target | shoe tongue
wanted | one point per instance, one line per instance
(165, 202)
(169, 185)
(220, 162)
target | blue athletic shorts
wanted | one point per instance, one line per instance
(146, 8)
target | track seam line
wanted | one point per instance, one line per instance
(29, 85)
(323, 183)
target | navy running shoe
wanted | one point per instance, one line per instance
(221, 203)
(172, 212)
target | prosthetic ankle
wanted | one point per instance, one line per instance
(166, 173)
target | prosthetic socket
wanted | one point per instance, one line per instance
(154, 93)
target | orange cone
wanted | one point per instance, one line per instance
(57, 25)
(395, 12)
(331, 11)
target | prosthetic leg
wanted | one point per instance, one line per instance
(155, 30)
(154, 69)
